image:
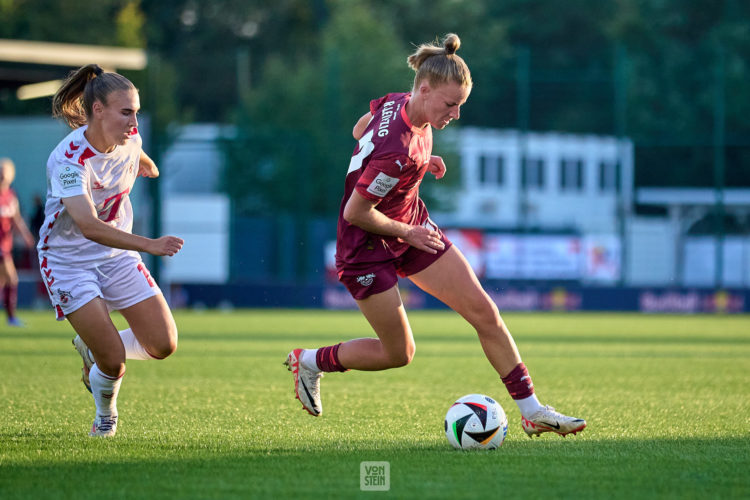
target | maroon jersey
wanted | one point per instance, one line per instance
(387, 167)
(8, 209)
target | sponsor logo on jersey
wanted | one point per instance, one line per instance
(70, 178)
(366, 279)
(382, 185)
(400, 165)
(386, 118)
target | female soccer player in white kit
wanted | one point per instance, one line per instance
(87, 254)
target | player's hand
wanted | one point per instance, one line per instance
(30, 243)
(436, 167)
(424, 239)
(166, 245)
(148, 169)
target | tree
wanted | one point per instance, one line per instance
(296, 126)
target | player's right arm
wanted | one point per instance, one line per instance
(83, 213)
(361, 212)
(361, 125)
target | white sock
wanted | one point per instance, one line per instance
(529, 406)
(309, 360)
(133, 348)
(104, 389)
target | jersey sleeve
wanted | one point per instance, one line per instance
(376, 104)
(67, 179)
(379, 178)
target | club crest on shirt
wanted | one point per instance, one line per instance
(366, 279)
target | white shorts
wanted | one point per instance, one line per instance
(121, 281)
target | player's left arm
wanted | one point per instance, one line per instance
(436, 166)
(147, 167)
(21, 227)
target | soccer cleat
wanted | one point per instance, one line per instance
(104, 426)
(306, 383)
(548, 420)
(16, 322)
(88, 360)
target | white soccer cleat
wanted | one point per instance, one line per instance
(306, 383)
(548, 420)
(88, 360)
(104, 426)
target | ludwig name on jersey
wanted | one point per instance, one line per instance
(387, 167)
(76, 168)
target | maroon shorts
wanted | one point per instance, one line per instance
(369, 278)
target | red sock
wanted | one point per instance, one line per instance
(518, 382)
(10, 300)
(327, 359)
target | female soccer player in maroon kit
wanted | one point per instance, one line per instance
(384, 231)
(10, 218)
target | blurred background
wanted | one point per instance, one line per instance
(601, 162)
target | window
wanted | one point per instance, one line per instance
(571, 174)
(609, 173)
(491, 170)
(532, 174)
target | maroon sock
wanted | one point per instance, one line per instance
(518, 382)
(10, 300)
(327, 359)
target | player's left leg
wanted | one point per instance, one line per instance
(152, 331)
(451, 280)
(129, 288)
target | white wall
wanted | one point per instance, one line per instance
(699, 266)
(203, 222)
(650, 252)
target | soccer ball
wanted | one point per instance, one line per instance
(476, 421)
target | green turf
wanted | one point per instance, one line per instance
(667, 400)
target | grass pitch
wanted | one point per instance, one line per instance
(667, 400)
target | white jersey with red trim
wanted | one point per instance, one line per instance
(75, 168)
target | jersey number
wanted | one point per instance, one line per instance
(112, 206)
(365, 148)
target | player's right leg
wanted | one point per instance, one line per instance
(394, 347)
(95, 328)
